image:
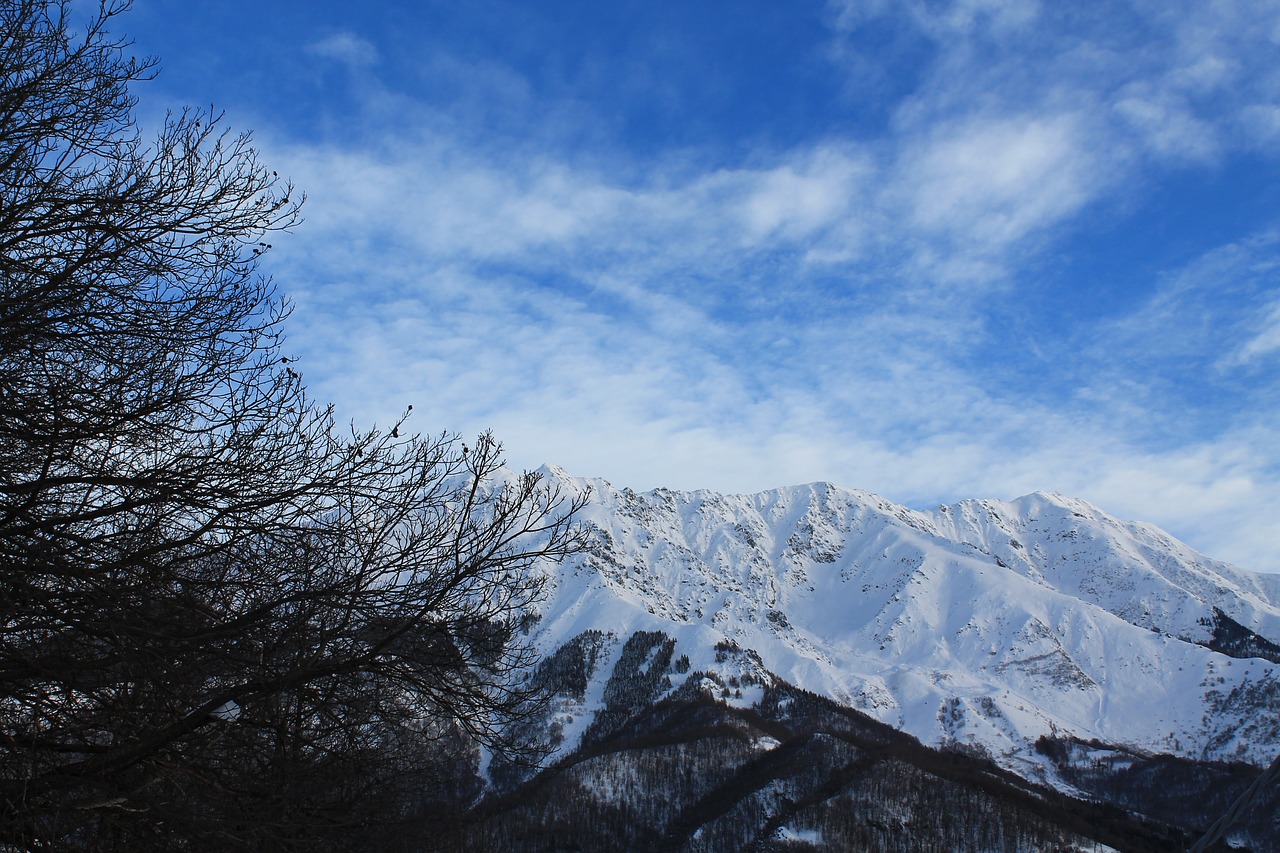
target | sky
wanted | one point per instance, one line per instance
(933, 249)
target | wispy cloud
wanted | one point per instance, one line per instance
(346, 48)
(1264, 340)
(988, 182)
(847, 307)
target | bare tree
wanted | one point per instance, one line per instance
(220, 615)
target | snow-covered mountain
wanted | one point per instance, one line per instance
(982, 625)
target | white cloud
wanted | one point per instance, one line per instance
(1001, 17)
(1265, 339)
(798, 200)
(346, 48)
(942, 20)
(669, 395)
(1171, 80)
(1261, 123)
(1216, 313)
(795, 316)
(990, 182)
(1168, 128)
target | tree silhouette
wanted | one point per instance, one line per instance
(222, 617)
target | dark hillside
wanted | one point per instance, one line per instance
(796, 773)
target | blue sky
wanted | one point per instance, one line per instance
(930, 249)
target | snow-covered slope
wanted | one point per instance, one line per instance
(983, 623)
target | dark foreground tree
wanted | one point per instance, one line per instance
(224, 622)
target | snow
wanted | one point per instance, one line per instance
(807, 836)
(987, 622)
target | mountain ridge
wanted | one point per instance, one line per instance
(983, 624)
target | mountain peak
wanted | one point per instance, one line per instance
(1025, 617)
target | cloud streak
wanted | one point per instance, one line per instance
(346, 48)
(881, 305)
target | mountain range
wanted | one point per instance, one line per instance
(1075, 661)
